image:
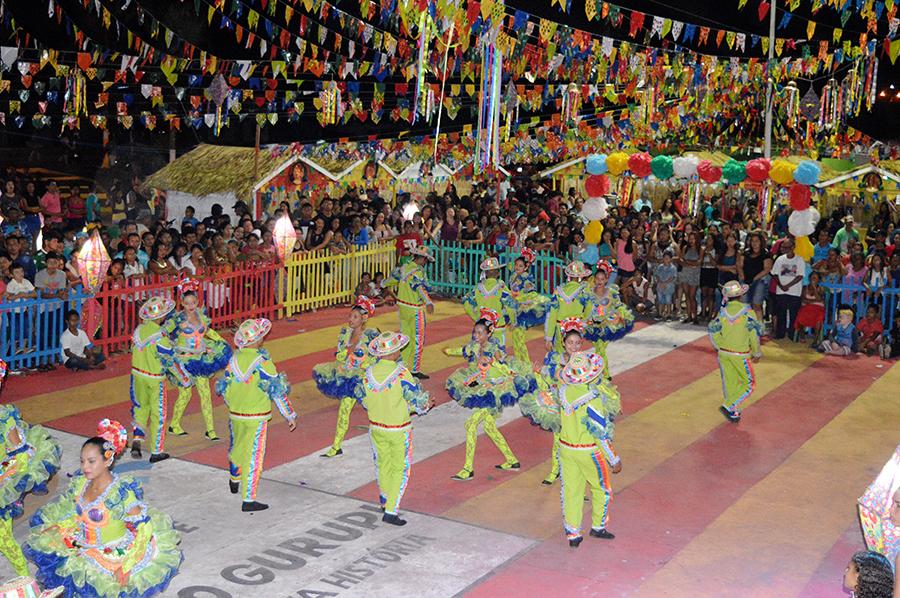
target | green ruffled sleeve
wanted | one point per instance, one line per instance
(542, 409)
(415, 396)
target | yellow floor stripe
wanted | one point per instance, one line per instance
(789, 520)
(306, 399)
(94, 395)
(644, 440)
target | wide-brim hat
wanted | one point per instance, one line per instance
(156, 307)
(387, 343)
(27, 587)
(582, 368)
(577, 269)
(421, 251)
(490, 264)
(251, 331)
(733, 288)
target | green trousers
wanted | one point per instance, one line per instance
(248, 449)
(520, 348)
(489, 423)
(738, 380)
(148, 410)
(600, 349)
(11, 549)
(184, 397)
(412, 324)
(554, 457)
(581, 468)
(392, 450)
(343, 422)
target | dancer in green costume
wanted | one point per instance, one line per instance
(491, 381)
(389, 393)
(491, 293)
(734, 334)
(151, 357)
(413, 301)
(609, 318)
(340, 378)
(30, 457)
(531, 306)
(250, 385)
(580, 410)
(570, 300)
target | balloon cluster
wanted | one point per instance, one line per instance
(596, 186)
(804, 218)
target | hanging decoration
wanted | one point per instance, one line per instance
(285, 237)
(420, 100)
(93, 262)
(76, 94)
(329, 103)
(487, 138)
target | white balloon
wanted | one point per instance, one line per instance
(803, 223)
(594, 208)
(685, 167)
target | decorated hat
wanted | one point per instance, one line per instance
(421, 251)
(567, 325)
(387, 343)
(577, 269)
(490, 264)
(27, 587)
(188, 285)
(489, 315)
(528, 255)
(115, 435)
(582, 368)
(733, 288)
(365, 304)
(604, 266)
(156, 307)
(251, 331)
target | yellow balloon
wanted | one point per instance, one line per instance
(593, 232)
(803, 248)
(782, 172)
(617, 163)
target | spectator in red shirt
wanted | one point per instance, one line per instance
(870, 331)
(409, 240)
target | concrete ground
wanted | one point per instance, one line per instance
(701, 508)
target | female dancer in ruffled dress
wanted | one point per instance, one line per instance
(879, 513)
(30, 457)
(339, 378)
(99, 539)
(610, 319)
(200, 353)
(531, 306)
(491, 381)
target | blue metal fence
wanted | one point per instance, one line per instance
(839, 291)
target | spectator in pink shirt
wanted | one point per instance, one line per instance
(51, 205)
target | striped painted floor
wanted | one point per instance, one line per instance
(702, 507)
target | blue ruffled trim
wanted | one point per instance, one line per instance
(276, 387)
(599, 433)
(336, 386)
(47, 564)
(222, 385)
(13, 510)
(594, 334)
(209, 365)
(488, 399)
(532, 317)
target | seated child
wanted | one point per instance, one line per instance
(843, 337)
(870, 331)
(78, 353)
(381, 295)
(890, 348)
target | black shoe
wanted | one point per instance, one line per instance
(332, 453)
(574, 542)
(421, 376)
(508, 466)
(730, 415)
(393, 520)
(251, 506)
(234, 486)
(156, 458)
(136, 450)
(602, 533)
(174, 433)
(212, 436)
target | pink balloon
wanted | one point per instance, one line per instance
(708, 172)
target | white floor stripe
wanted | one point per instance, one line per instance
(442, 428)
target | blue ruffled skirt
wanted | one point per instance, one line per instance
(206, 365)
(531, 309)
(335, 381)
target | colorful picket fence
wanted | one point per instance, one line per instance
(316, 279)
(840, 291)
(457, 267)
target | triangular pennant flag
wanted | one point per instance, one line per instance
(763, 9)
(810, 29)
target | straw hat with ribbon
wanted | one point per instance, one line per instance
(387, 343)
(252, 331)
(577, 269)
(733, 289)
(582, 368)
(27, 587)
(490, 264)
(156, 308)
(421, 251)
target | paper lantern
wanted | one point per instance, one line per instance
(93, 263)
(661, 166)
(617, 163)
(685, 167)
(285, 237)
(597, 185)
(639, 164)
(782, 172)
(596, 164)
(803, 248)
(758, 169)
(807, 173)
(800, 196)
(708, 172)
(734, 171)
(803, 223)
(594, 208)
(593, 232)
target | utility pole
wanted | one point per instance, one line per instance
(770, 83)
